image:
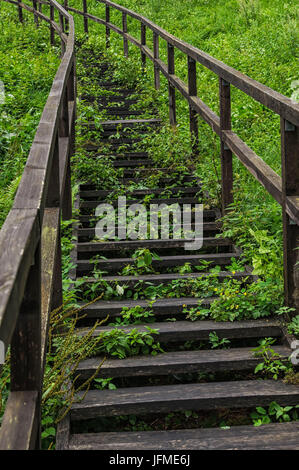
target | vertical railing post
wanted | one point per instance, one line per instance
(107, 28)
(20, 10)
(85, 19)
(143, 43)
(61, 21)
(192, 88)
(52, 32)
(171, 89)
(65, 5)
(226, 154)
(64, 132)
(156, 57)
(25, 361)
(34, 4)
(125, 30)
(290, 187)
(54, 201)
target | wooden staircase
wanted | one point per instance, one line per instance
(160, 384)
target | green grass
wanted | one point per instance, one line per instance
(257, 37)
(27, 68)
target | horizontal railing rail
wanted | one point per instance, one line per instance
(285, 189)
(30, 250)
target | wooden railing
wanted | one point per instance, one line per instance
(285, 189)
(30, 251)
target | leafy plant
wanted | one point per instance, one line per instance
(272, 364)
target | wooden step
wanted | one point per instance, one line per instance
(166, 398)
(128, 123)
(117, 264)
(151, 244)
(160, 307)
(93, 194)
(132, 163)
(166, 200)
(173, 363)
(274, 436)
(157, 279)
(208, 215)
(178, 331)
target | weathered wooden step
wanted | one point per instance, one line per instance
(172, 363)
(125, 112)
(128, 123)
(274, 436)
(209, 229)
(151, 244)
(161, 307)
(140, 192)
(165, 261)
(131, 163)
(166, 398)
(208, 215)
(167, 200)
(157, 279)
(172, 332)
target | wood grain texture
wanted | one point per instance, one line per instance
(278, 436)
(165, 398)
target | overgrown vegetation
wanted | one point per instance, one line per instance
(236, 32)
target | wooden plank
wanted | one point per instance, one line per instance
(226, 153)
(84, 194)
(198, 330)
(19, 237)
(50, 240)
(171, 89)
(166, 200)
(274, 436)
(173, 363)
(154, 244)
(157, 279)
(161, 307)
(20, 422)
(63, 434)
(290, 187)
(165, 398)
(165, 261)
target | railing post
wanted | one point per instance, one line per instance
(65, 5)
(107, 28)
(85, 19)
(192, 88)
(143, 43)
(20, 10)
(34, 4)
(26, 358)
(171, 89)
(125, 30)
(290, 187)
(61, 21)
(226, 154)
(52, 32)
(53, 200)
(64, 132)
(156, 57)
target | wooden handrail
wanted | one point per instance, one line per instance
(30, 254)
(285, 189)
